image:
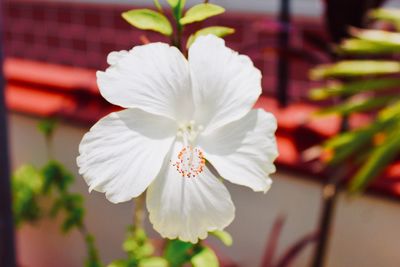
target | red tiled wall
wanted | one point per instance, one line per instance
(83, 34)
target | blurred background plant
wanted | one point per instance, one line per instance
(364, 81)
(32, 185)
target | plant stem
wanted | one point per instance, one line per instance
(138, 214)
(177, 14)
(49, 146)
(330, 194)
(179, 36)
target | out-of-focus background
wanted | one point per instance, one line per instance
(52, 49)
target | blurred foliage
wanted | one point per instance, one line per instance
(369, 84)
(33, 189)
(158, 21)
(141, 252)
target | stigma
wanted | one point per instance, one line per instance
(189, 132)
(190, 162)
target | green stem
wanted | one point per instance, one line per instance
(159, 7)
(138, 215)
(177, 39)
(49, 146)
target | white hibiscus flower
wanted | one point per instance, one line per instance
(184, 122)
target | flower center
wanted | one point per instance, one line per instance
(189, 131)
(190, 162)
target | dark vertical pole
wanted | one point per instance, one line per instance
(330, 193)
(7, 250)
(283, 48)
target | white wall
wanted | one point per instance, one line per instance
(366, 232)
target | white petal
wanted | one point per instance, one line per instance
(188, 208)
(153, 77)
(115, 56)
(243, 151)
(123, 153)
(225, 84)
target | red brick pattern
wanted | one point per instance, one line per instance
(82, 35)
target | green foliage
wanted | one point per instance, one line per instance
(201, 12)
(178, 252)
(371, 42)
(358, 105)
(72, 205)
(158, 5)
(27, 182)
(47, 126)
(205, 258)
(139, 250)
(381, 155)
(363, 47)
(147, 19)
(355, 68)
(368, 83)
(153, 262)
(93, 257)
(219, 31)
(56, 176)
(137, 244)
(30, 185)
(352, 88)
(177, 3)
(224, 237)
(386, 14)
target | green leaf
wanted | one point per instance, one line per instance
(206, 258)
(354, 68)
(73, 207)
(28, 176)
(379, 37)
(219, 31)
(391, 112)
(153, 262)
(177, 8)
(387, 14)
(364, 47)
(137, 244)
(381, 156)
(358, 105)
(27, 182)
(201, 12)
(348, 89)
(349, 143)
(147, 19)
(224, 236)
(118, 263)
(175, 3)
(92, 259)
(157, 4)
(55, 175)
(47, 126)
(177, 252)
